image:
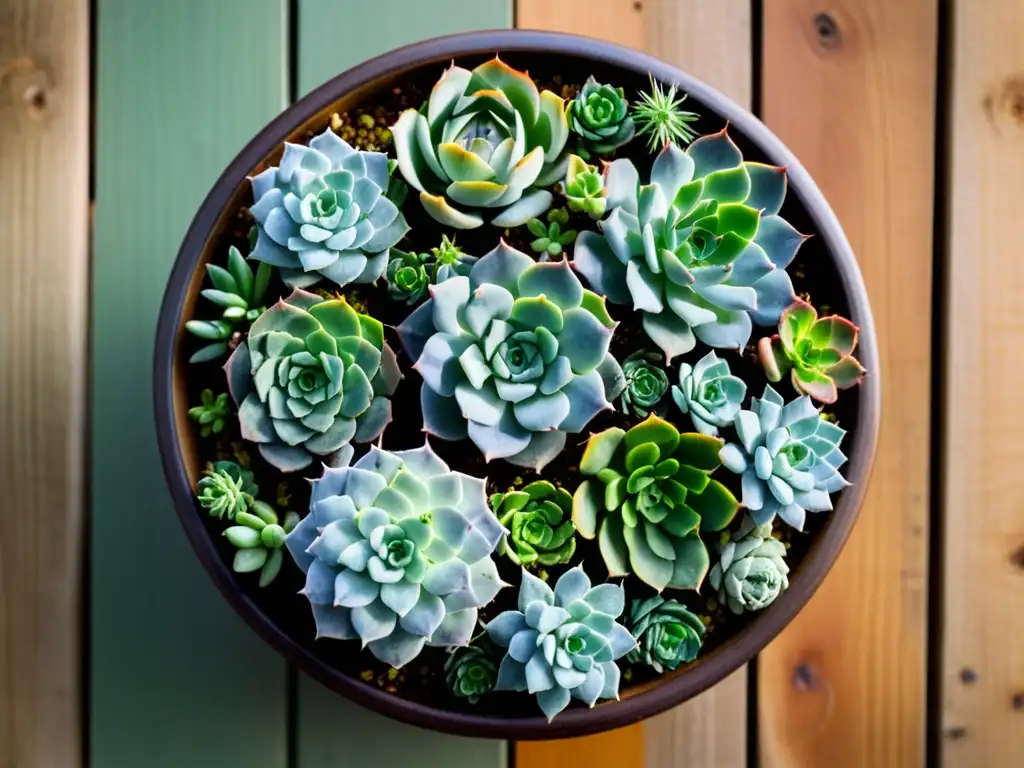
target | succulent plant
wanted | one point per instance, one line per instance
(485, 142)
(789, 459)
(312, 376)
(584, 188)
(551, 240)
(324, 213)
(661, 118)
(562, 643)
(408, 276)
(226, 489)
(470, 673)
(259, 538)
(818, 352)
(211, 412)
(397, 553)
(599, 115)
(450, 260)
(751, 571)
(667, 633)
(513, 356)
(647, 495)
(700, 251)
(646, 382)
(709, 393)
(539, 523)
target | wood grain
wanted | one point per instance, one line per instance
(711, 40)
(852, 92)
(983, 659)
(44, 170)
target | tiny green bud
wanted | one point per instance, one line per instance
(265, 512)
(242, 537)
(272, 536)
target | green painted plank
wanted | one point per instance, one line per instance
(177, 678)
(334, 36)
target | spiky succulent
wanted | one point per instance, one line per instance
(646, 382)
(484, 143)
(584, 188)
(661, 118)
(667, 633)
(550, 240)
(709, 393)
(259, 538)
(700, 250)
(818, 352)
(539, 522)
(226, 489)
(450, 260)
(788, 456)
(751, 571)
(599, 115)
(513, 356)
(470, 673)
(647, 495)
(324, 213)
(211, 412)
(312, 376)
(563, 643)
(397, 553)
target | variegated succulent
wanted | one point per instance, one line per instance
(709, 393)
(599, 115)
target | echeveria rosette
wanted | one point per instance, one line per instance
(324, 213)
(513, 356)
(646, 383)
(470, 673)
(408, 276)
(599, 115)
(709, 393)
(539, 522)
(584, 188)
(667, 632)
(483, 144)
(751, 571)
(701, 250)
(648, 494)
(818, 352)
(397, 553)
(789, 459)
(312, 376)
(563, 642)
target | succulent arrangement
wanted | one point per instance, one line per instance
(580, 367)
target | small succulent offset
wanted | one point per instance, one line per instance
(818, 352)
(700, 250)
(563, 643)
(450, 260)
(551, 240)
(485, 142)
(539, 523)
(646, 383)
(789, 459)
(313, 376)
(709, 393)
(211, 413)
(259, 538)
(513, 356)
(408, 276)
(584, 188)
(599, 115)
(667, 632)
(470, 673)
(751, 571)
(647, 495)
(397, 553)
(226, 490)
(324, 213)
(661, 118)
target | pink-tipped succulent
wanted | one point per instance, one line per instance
(818, 352)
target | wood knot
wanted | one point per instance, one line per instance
(638, 6)
(1017, 701)
(968, 676)
(826, 31)
(956, 733)
(1004, 106)
(806, 677)
(1017, 558)
(27, 80)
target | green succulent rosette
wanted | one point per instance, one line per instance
(408, 276)
(584, 188)
(211, 413)
(751, 571)
(709, 393)
(667, 632)
(539, 523)
(646, 383)
(226, 489)
(470, 673)
(599, 115)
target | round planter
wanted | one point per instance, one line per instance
(805, 207)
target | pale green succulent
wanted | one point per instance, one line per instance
(667, 633)
(539, 522)
(599, 115)
(584, 188)
(259, 539)
(211, 413)
(751, 571)
(483, 145)
(397, 553)
(563, 643)
(226, 490)
(513, 356)
(550, 239)
(709, 393)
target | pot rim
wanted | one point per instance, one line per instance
(724, 659)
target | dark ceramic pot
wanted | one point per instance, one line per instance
(574, 57)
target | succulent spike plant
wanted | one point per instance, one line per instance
(485, 143)
(211, 412)
(647, 495)
(450, 260)
(646, 383)
(818, 352)
(550, 239)
(324, 212)
(709, 393)
(539, 522)
(312, 376)
(514, 356)
(788, 457)
(599, 115)
(751, 571)
(226, 490)
(259, 539)
(470, 672)
(563, 643)
(701, 250)
(667, 633)
(583, 188)
(397, 553)
(660, 116)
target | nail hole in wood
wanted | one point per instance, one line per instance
(956, 733)
(826, 29)
(35, 97)
(968, 676)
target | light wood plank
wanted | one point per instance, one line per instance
(853, 95)
(983, 659)
(177, 678)
(44, 168)
(711, 40)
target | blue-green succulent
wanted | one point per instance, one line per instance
(599, 115)
(667, 633)
(709, 393)
(751, 571)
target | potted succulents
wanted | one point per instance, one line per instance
(517, 405)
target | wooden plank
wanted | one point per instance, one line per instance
(177, 678)
(983, 661)
(711, 40)
(852, 92)
(44, 167)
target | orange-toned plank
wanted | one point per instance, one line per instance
(621, 748)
